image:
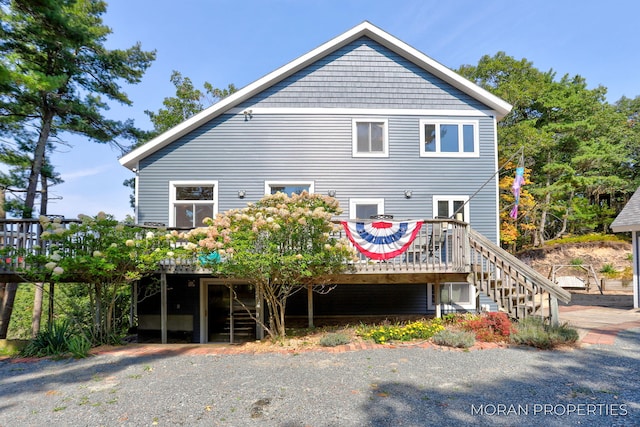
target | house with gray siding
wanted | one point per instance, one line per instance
(628, 220)
(364, 118)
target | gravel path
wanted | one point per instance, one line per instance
(404, 386)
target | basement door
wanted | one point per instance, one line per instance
(223, 318)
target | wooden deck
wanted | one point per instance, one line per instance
(445, 250)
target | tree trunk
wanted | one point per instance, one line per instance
(36, 317)
(52, 287)
(7, 308)
(37, 309)
(36, 167)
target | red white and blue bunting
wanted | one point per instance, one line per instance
(382, 240)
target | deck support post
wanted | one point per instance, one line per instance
(553, 311)
(163, 307)
(310, 304)
(436, 289)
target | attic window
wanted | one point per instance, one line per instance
(370, 138)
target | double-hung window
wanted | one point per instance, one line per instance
(288, 187)
(440, 138)
(191, 202)
(370, 138)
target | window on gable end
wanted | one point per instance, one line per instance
(370, 138)
(444, 138)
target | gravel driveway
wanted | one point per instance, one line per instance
(403, 386)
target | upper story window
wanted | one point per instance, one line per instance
(449, 138)
(288, 187)
(370, 138)
(191, 202)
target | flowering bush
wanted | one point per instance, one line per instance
(416, 330)
(104, 254)
(279, 244)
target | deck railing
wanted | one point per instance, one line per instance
(440, 246)
(517, 288)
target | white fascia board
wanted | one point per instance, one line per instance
(130, 159)
(625, 228)
(501, 107)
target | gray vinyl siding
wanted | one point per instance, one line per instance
(363, 74)
(242, 153)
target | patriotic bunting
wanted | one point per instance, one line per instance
(382, 240)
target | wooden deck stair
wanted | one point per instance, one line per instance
(518, 289)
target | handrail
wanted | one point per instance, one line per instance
(553, 289)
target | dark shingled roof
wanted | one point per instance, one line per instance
(629, 218)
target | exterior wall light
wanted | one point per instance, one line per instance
(331, 193)
(408, 194)
(242, 193)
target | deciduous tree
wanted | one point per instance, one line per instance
(280, 245)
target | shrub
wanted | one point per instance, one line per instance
(334, 339)
(535, 332)
(489, 327)
(416, 330)
(57, 340)
(608, 270)
(454, 338)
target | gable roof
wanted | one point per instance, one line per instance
(629, 218)
(364, 29)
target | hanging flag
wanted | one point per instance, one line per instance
(382, 240)
(518, 182)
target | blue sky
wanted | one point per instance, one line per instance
(238, 42)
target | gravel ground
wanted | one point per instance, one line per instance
(402, 386)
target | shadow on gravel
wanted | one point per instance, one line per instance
(45, 375)
(592, 386)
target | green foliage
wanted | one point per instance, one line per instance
(577, 262)
(609, 270)
(580, 152)
(415, 330)
(50, 342)
(58, 69)
(279, 245)
(187, 102)
(106, 257)
(585, 238)
(334, 339)
(455, 338)
(534, 331)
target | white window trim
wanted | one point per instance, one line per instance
(354, 136)
(466, 305)
(460, 152)
(354, 202)
(269, 184)
(451, 199)
(172, 196)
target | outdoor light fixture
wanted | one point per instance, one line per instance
(331, 193)
(242, 193)
(408, 194)
(248, 114)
